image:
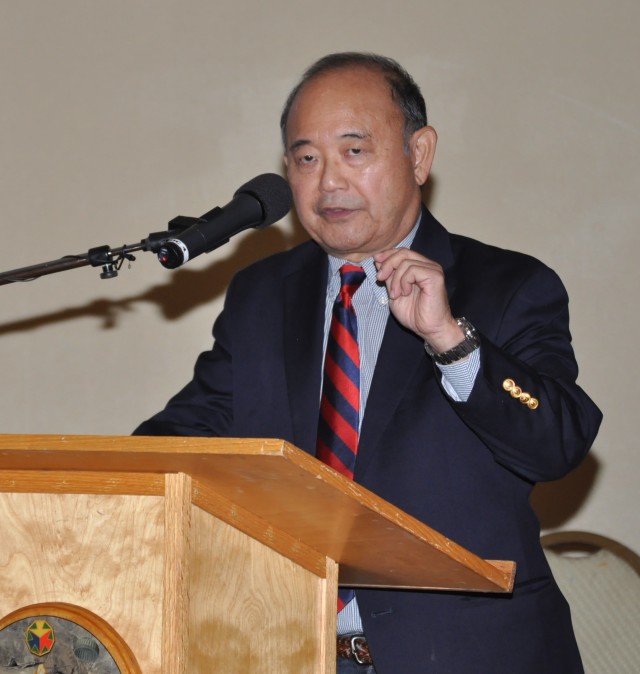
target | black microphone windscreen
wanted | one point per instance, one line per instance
(273, 193)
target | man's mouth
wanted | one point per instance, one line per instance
(337, 210)
(335, 213)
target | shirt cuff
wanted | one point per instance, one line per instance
(458, 378)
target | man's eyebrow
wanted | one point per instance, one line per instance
(298, 143)
(359, 135)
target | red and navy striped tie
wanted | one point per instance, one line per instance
(340, 404)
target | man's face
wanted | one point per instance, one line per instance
(355, 188)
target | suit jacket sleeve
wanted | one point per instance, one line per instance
(525, 337)
(204, 407)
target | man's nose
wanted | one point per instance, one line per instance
(333, 176)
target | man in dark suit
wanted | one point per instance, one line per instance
(468, 393)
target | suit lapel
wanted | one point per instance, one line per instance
(401, 353)
(304, 303)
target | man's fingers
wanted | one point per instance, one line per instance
(402, 269)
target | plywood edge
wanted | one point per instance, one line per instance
(175, 614)
(81, 482)
(328, 617)
(507, 568)
(138, 454)
(138, 443)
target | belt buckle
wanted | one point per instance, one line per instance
(354, 640)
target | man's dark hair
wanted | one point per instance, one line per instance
(404, 91)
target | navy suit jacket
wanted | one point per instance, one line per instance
(466, 469)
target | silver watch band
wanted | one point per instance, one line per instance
(470, 343)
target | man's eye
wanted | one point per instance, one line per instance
(355, 150)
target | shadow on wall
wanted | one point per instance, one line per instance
(184, 290)
(557, 502)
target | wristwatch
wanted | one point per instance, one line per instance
(470, 343)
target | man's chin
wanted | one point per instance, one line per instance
(348, 250)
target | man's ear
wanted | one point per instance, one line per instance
(423, 148)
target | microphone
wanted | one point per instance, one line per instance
(258, 203)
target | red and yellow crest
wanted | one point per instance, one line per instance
(40, 637)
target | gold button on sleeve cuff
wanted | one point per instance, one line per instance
(516, 392)
(508, 384)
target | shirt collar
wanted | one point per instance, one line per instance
(379, 289)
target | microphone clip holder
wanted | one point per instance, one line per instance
(110, 259)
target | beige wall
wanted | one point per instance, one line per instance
(116, 116)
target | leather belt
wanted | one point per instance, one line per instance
(354, 647)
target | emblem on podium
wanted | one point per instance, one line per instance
(40, 637)
(46, 638)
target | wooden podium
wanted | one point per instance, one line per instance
(201, 555)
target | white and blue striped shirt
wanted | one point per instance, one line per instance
(371, 304)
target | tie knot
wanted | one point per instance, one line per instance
(351, 278)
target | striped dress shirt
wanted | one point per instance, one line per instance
(371, 304)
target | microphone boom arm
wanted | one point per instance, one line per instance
(258, 203)
(110, 259)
